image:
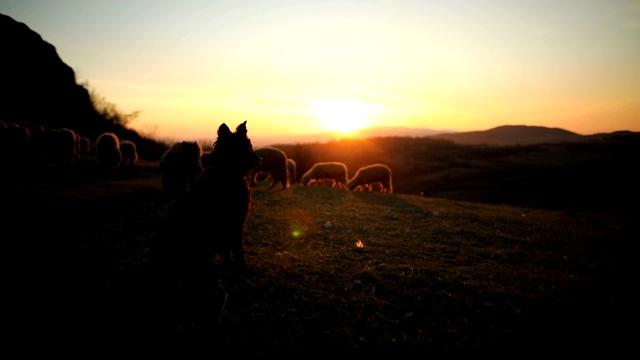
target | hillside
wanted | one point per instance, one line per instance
(506, 135)
(512, 135)
(594, 175)
(363, 274)
(40, 90)
(38, 87)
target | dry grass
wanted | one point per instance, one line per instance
(333, 272)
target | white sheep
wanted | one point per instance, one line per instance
(322, 182)
(108, 151)
(333, 170)
(181, 164)
(366, 176)
(274, 162)
(129, 154)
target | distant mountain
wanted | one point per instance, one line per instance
(259, 141)
(365, 133)
(502, 135)
(513, 135)
(402, 131)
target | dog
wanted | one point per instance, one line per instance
(209, 219)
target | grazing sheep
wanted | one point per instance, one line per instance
(366, 176)
(376, 187)
(85, 146)
(129, 154)
(55, 146)
(336, 171)
(15, 147)
(63, 145)
(16, 136)
(108, 151)
(322, 182)
(291, 171)
(274, 162)
(181, 164)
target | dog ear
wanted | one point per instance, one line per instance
(242, 128)
(223, 130)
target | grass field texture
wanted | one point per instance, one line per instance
(332, 272)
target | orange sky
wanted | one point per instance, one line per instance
(308, 66)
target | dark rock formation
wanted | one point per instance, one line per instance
(37, 87)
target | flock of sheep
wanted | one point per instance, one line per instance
(180, 164)
(335, 173)
(183, 162)
(283, 170)
(22, 146)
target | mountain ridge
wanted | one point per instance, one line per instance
(505, 135)
(512, 135)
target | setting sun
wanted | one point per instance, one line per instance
(343, 115)
(303, 69)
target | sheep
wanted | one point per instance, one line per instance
(374, 187)
(16, 135)
(336, 171)
(15, 147)
(322, 182)
(108, 151)
(366, 176)
(129, 154)
(53, 147)
(85, 145)
(291, 171)
(181, 164)
(63, 145)
(274, 162)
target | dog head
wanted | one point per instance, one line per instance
(233, 152)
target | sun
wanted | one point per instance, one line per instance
(342, 114)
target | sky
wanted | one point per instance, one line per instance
(303, 67)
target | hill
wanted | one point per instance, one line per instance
(333, 273)
(38, 87)
(506, 135)
(512, 135)
(364, 133)
(594, 174)
(40, 90)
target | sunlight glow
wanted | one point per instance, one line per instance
(305, 69)
(342, 114)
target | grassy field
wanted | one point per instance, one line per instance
(332, 272)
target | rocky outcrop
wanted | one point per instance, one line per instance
(36, 86)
